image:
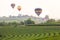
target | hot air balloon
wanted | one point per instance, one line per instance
(38, 11)
(12, 5)
(19, 8)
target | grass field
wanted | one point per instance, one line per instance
(30, 33)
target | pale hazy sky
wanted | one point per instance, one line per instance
(49, 7)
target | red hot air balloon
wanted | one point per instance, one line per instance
(38, 11)
(12, 5)
(19, 8)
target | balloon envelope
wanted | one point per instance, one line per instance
(19, 8)
(38, 11)
(12, 5)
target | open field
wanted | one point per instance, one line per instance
(30, 33)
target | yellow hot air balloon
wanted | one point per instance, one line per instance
(19, 8)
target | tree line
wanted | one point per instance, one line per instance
(29, 22)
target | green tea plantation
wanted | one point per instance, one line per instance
(30, 33)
